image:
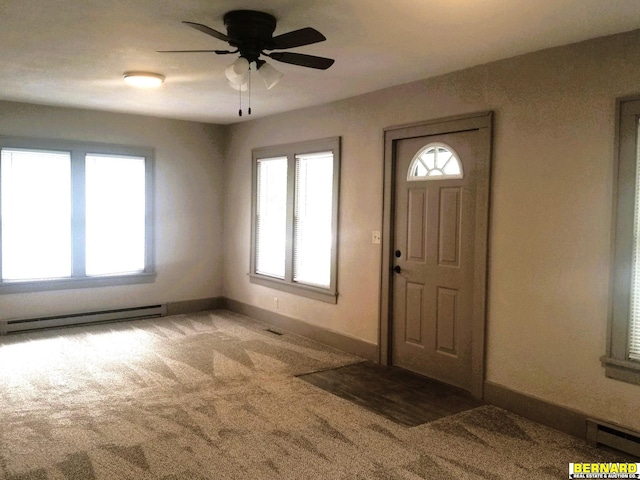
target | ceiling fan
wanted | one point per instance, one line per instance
(250, 33)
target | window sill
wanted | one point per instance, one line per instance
(78, 282)
(624, 370)
(297, 289)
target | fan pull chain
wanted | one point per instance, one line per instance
(249, 89)
(240, 95)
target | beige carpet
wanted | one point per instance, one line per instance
(214, 396)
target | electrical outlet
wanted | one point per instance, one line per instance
(276, 303)
(376, 237)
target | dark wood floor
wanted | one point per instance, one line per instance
(399, 395)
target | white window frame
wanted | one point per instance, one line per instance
(617, 363)
(417, 158)
(330, 294)
(78, 279)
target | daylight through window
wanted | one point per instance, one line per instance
(622, 358)
(312, 224)
(435, 161)
(295, 218)
(634, 317)
(271, 216)
(115, 214)
(36, 220)
(74, 216)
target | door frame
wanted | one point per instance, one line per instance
(475, 121)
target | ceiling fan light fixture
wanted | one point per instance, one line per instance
(243, 87)
(270, 75)
(238, 72)
(143, 79)
(250, 35)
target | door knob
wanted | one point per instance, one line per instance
(397, 269)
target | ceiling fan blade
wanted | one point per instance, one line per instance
(311, 61)
(297, 38)
(208, 31)
(218, 52)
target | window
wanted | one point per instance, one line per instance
(435, 161)
(35, 199)
(74, 215)
(295, 218)
(622, 360)
(271, 216)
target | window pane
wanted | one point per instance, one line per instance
(634, 321)
(271, 216)
(115, 214)
(36, 214)
(435, 162)
(313, 218)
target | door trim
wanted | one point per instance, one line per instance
(460, 123)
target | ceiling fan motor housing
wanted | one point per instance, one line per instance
(250, 32)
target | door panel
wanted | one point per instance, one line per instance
(434, 228)
(449, 228)
(413, 317)
(417, 226)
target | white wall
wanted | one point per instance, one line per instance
(550, 216)
(188, 205)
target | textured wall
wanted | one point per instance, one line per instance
(550, 215)
(188, 205)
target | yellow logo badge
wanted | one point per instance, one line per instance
(604, 470)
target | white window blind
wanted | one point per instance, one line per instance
(295, 218)
(312, 220)
(634, 321)
(115, 214)
(271, 216)
(36, 214)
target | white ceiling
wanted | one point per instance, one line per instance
(73, 53)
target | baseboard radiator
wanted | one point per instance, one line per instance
(613, 436)
(23, 325)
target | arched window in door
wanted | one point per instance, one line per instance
(435, 161)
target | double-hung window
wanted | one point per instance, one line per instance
(622, 360)
(74, 215)
(295, 218)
